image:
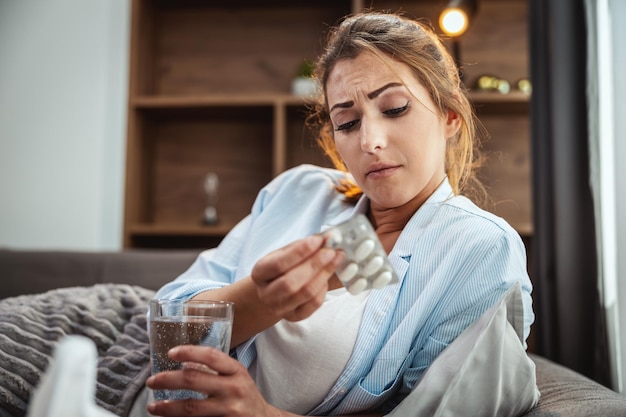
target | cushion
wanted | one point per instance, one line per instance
(113, 316)
(484, 372)
(565, 392)
(37, 271)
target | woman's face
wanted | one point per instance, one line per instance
(387, 130)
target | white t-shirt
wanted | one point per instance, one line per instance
(298, 362)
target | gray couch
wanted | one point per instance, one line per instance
(563, 391)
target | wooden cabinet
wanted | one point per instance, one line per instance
(210, 90)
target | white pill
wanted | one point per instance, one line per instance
(348, 272)
(357, 286)
(382, 279)
(363, 250)
(373, 265)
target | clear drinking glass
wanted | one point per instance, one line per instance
(186, 322)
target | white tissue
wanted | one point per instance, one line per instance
(68, 387)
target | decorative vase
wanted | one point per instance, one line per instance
(303, 87)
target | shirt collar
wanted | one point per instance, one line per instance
(424, 213)
(421, 219)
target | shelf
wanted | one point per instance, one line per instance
(495, 97)
(482, 98)
(217, 100)
(180, 229)
(209, 91)
(493, 102)
(177, 235)
(204, 47)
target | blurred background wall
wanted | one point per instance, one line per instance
(63, 90)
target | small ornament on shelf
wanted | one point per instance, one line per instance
(211, 184)
(524, 85)
(492, 83)
(304, 85)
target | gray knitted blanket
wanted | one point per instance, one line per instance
(112, 315)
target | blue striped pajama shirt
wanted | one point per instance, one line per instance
(454, 261)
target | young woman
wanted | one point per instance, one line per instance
(396, 122)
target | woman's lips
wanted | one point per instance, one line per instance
(381, 171)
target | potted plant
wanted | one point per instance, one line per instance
(304, 85)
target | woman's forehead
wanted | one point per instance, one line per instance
(365, 74)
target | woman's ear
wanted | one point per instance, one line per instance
(453, 123)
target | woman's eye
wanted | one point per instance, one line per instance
(347, 126)
(397, 111)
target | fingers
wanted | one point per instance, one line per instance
(284, 259)
(204, 372)
(293, 281)
(304, 310)
(188, 378)
(307, 277)
(187, 407)
(202, 365)
(228, 388)
(216, 360)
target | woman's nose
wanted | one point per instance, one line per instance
(373, 136)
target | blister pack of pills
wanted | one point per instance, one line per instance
(366, 265)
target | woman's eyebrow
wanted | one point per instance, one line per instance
(372, 95)
(344, 105)
(377, 92)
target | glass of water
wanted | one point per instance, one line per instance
(186, 322)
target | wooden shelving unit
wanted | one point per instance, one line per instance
(210, 92)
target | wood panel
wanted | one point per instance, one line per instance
(235, 143)
(302, 147)
(496, 42)
(142, 50)
(210, 92)
(211, 49)
(507, 171)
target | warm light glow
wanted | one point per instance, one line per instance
(453, 22)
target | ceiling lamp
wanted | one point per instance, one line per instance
(455, 18)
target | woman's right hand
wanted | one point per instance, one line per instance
(292, 281)
(289, 283)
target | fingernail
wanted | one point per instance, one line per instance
(174, 350)
(314, 241)
(327, 255)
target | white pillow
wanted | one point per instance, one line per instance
(484, 372)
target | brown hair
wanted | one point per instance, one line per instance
(416, 45)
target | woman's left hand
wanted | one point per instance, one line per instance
(230, 390)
